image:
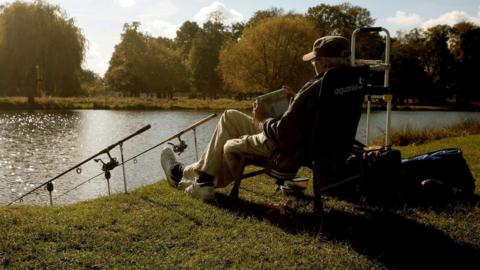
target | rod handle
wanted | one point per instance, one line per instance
(145, 128)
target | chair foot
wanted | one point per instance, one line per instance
(318, 206)
(234, 193)
(319, 215)
(235, 189)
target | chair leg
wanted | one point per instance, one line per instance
(235, 188)
(317, 180)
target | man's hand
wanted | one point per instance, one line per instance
(257, 111)
(289, 91)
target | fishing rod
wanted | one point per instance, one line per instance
(180, 147)
(177, 148)
(105, 167)
(113, 163)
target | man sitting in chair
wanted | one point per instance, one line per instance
(238, 136)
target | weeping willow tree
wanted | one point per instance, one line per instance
(41, 50)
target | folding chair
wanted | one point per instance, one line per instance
(334, 126)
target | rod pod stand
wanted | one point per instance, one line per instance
(104, 151)
(50, 189)
(108, 175)
(107, 167)
(123, 170)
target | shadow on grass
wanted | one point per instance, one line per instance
(382, 236)
(173, 208)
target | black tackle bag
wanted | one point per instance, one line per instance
(382, 173)
(441, 175)
(379, 171)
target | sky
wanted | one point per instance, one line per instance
(101, 21)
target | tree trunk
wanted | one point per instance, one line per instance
(31, 100)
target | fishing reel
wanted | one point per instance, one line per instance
(107, 167)
(179, 148)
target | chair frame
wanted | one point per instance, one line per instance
(320, 175)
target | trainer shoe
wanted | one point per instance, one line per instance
(203, 190)
(172, 168)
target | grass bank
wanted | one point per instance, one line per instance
(136, 103)
(414, 136)
(156, 227)
(123, 103)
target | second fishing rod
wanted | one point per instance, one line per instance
(113, 163)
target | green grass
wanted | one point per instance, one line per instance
(412, 136)
(121, 103)
(156, 227)
(421, 108)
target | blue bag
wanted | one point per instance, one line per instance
(440, 173)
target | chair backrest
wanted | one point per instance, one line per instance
(338, 111)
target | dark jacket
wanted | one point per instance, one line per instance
(291, 134)
(288, 132)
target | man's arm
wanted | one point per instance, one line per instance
(288, 131)
(258, 112)
(290, 92)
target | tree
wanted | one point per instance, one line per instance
(90, 82)
(164, 72)
(144, 64)
(269, 55)
(236, 30)
(459, 43)
(184, 39)
(204, 57)
(261, 15)
(470, 42)
(339, 19)
(439, 60)
(408, 77)
(455, 42)
(437, 63)
(41, 50)
(124, 72)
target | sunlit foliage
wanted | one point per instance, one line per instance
(41, 50)
(144, 64)
(269, 55)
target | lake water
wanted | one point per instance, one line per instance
(36, 146)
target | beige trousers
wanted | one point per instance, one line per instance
(235, 137)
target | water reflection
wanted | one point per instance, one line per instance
(31, 143)
(37, 145)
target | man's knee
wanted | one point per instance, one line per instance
(232, 146)
(225, 117)
(229, 115)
